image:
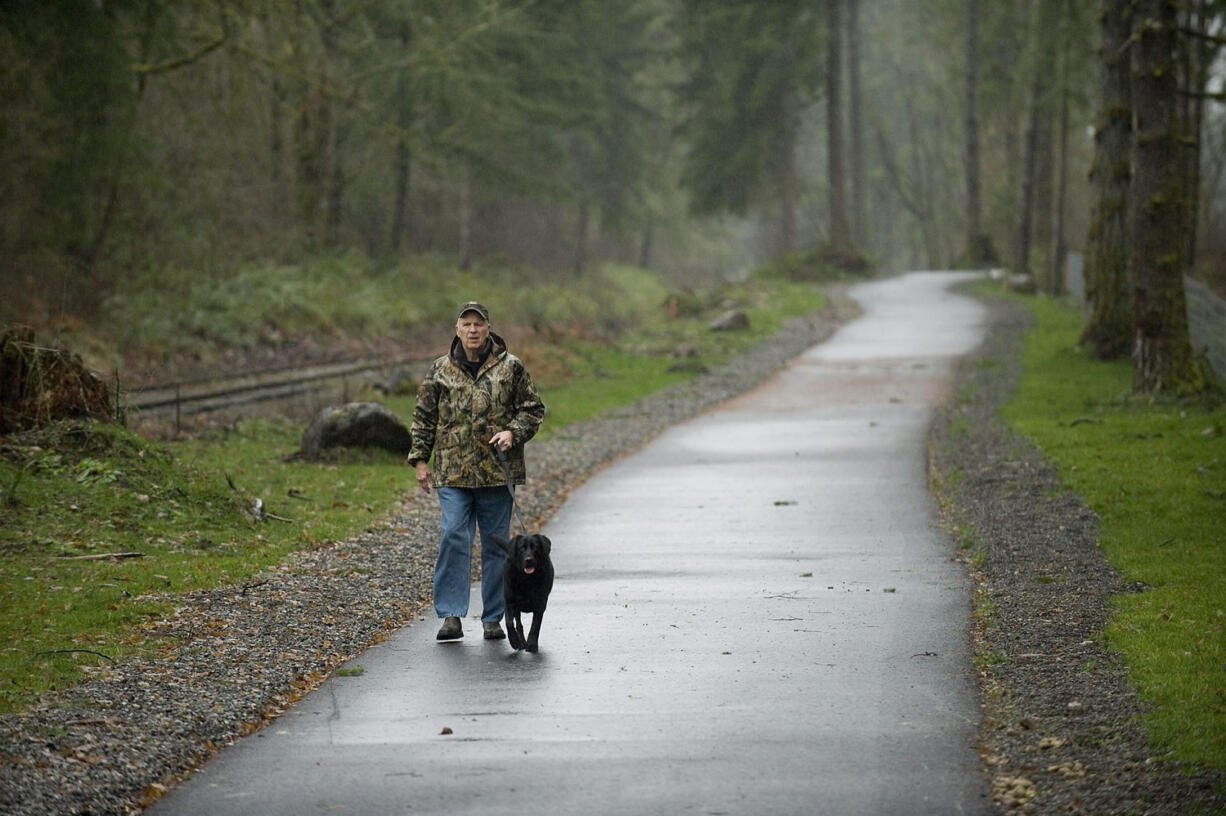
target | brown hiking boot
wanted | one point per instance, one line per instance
(451, 630)
(493, 630)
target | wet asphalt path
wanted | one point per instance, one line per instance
(754, 614)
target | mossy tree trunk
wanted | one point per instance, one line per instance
(1162, 355)
(1108, 328)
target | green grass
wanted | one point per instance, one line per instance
(1155, 472)
(87, 489)
(607, 378)
(600, 377)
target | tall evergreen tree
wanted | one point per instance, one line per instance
(609, 141)
(751, 66)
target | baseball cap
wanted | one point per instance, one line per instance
(474, 306)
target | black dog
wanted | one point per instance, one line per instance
(527, 580)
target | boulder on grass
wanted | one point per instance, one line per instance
(731, 320)
(354, 425)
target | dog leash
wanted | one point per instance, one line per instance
(506, 471)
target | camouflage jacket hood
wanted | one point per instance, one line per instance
(456, 414)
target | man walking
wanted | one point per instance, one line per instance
(475, 398)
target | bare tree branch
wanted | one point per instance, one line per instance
(75, 651)
(101, 556)
(1203, 35)
(1217, 96)
(183, 61)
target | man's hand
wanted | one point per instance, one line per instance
(502, 440)
(425, 479)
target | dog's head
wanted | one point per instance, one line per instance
(527, 552)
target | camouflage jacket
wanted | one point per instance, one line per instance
(456, 415)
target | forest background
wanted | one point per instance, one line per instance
(158, 152)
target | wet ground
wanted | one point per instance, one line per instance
(756, 613)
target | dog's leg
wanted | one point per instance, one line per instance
(515, 629)
(535, 631)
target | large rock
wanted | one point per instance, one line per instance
(731, 320)
(354, 425)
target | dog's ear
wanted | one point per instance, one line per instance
(502, 543)
(545, 544)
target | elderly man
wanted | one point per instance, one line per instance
(475, 398)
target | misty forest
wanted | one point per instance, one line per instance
(157, 152)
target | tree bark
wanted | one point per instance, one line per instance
(1161, 352)
(401, 163)
(1200, 54)
(834, 128)
(1108, 328)
(859, 211)
(1025, 204)
(402, 158)
(914, 195)
(333, 125)
(784, 170)
(1058, 243)
(87, 257)
(582, 228)
(647, 243)
(465, 250)
(977, 246)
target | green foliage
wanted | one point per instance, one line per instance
(349, 295)
(817, 264)
(600, 378)
(66, 99)
(752, 67)
(610, 141)
(643, 360)
(261, 304)
(1153, 471)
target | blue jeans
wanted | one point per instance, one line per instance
(464, 509)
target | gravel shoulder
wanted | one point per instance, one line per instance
(1061, 732)
(235, 657)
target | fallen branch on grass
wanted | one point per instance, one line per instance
(75, 651)
(101, 556)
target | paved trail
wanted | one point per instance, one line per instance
(755, 614)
